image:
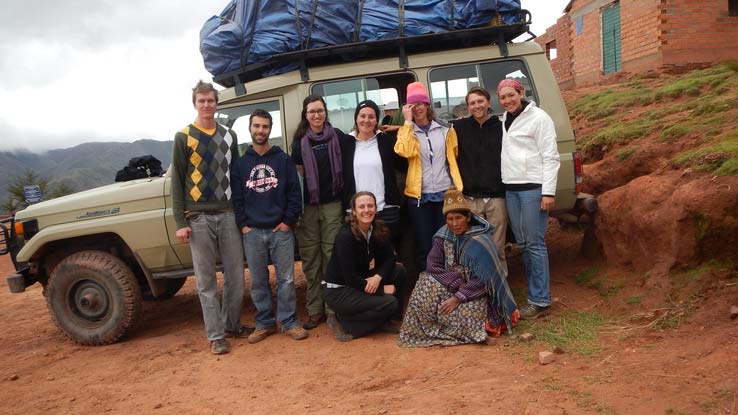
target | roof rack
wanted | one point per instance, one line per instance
(400, 47)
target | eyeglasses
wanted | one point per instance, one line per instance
(316, 112)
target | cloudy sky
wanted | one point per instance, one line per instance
(75, 71)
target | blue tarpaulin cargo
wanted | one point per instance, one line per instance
(253, 31)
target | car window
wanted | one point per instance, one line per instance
(449, 85)
(342, 96)
(237, 118)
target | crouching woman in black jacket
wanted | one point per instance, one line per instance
(363, 285)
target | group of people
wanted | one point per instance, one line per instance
(463, 182)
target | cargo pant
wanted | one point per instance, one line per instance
(316, 233)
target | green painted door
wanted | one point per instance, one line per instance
(611, 39)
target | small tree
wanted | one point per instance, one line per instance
(16, 195)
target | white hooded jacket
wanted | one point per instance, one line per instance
(529, 153)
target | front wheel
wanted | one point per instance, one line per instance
(93, 297)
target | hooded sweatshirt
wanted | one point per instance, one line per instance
(266, 190)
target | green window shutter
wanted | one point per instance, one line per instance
(611, 47)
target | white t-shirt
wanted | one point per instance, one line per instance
(368, 173)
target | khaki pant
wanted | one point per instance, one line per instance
(494, 211)
(316, 233)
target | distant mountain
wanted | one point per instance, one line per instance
(82, 167)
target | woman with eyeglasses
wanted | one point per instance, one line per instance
(431, 147)
(317, 152)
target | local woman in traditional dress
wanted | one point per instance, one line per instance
(464, 293)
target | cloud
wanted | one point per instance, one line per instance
(43, 40)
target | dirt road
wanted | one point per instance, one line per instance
(165, 366)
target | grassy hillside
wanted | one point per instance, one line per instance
(693, 116)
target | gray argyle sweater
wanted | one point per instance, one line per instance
(201, 170)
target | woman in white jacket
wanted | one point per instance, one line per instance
(530, 165)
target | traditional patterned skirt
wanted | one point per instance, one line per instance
(424, 326)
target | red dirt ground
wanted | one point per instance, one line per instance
(165, 367)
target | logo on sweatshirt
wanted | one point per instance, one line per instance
(262, 178)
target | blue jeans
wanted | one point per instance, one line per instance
(427, 219)
(212, 234)
(528, 223)
(260, 245)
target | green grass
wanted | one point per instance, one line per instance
(586, 275)
(586, 400)
(576, 332)
(720, 158)
(625, 154)
(619, 133)
(673, 131)
(692, 84)
(633, 300)
(605, 288)
(604, 103)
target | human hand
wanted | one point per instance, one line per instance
(547, 202)
(449, 305)
(245, 230)
(372, 283)
(389, 128)
(282, 227)
(389, 289)
(407, 112)
(183, 234)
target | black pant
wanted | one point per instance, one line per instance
(361, 313)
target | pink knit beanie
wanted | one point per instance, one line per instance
(416, 93)
(513, 83)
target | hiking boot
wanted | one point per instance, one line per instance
(341, 334)
(219, 346)
(243, 331)
(261, 334)
(532, 312)
(296, 332)
(314, 321)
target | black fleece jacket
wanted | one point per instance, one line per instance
(351, 260)
(480, 147)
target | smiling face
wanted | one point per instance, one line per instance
(315, 115)
(364, 210)
(260, 128)
(420, 113)
(205, 105)
(366, 122)
(510, 99)
(458, 222)
(478, 106)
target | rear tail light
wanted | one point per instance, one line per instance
(578, 171)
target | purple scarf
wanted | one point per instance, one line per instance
(311, 166)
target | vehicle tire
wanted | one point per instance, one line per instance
(93, 297)
(173, 285)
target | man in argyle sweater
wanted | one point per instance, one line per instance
(201, 159)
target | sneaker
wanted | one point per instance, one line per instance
(243, 331)
(219, 346)
(314, 321)
(341, 334)
(532, 312)
(296, 332)
(261, 334)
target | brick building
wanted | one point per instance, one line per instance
(597, 38)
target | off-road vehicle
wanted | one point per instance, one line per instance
(99, 252)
